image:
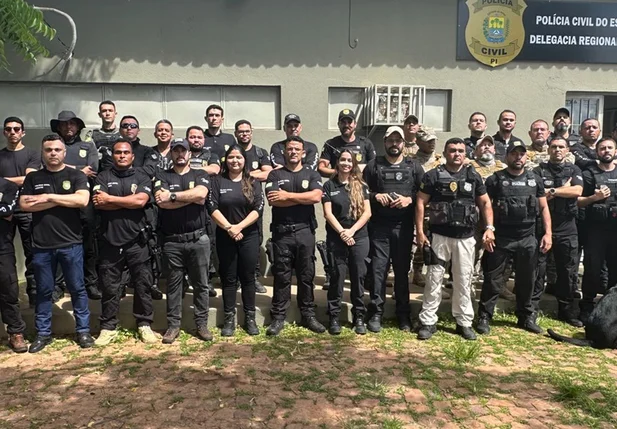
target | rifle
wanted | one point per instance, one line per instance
(156, 259)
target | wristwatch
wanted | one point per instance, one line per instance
(491, 227)
(552, 191)
(172, 197)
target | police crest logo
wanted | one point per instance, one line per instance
(467, 187)
(83, 153)
(305, 184)
(399, 176)
(453, 186)
(531, 182)
(359, 157)
(191, 184)
(495, 33)
(133, 188)
(255, 165)
(66, 185)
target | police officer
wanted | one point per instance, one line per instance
(600, 202)
(392, 180)
(562, 127)
(203, 157)
(108, 132)
(216, 139)
(180, 193)
(361, 147)
(9, 287)
(293, 127)
(120, 195)
(54, 195)
(410, 127)
(518, 196)
(563, 184)
(163, 133)
(292, 191)
(452, 192)
(81, 155)
(347, 210)
(537, 151)
(235, 204)
(477, 127)
(17, 160)
(584, 152)
(503, 137)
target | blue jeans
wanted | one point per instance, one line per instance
(45, 261)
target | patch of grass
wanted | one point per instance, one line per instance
(286, 402)
(392, 423)
(133, 358)
(464, 352)
(586, 394)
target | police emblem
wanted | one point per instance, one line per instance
(255, 165)
(467, 187)
(66, 185)
(399, 176)
(453, 186)
(359, 157)
(495, 33)
(96, 188)
(506, 183)
(305, 184)
(83, 153)
(531, 182)
(548, 183)
(133, 188)
(226, 147)
(191, 184)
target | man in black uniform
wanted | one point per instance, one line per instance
(600, 202)
(163, 133)
(477, 127)
(17, 160)
(203, 157)
(215, 137)
(518, 198)
(585, 151)
(561, 125)
(108, 132)
(9, 287)
(563, 183)
(292, 192)
(503, 137)
(393, 181)
(181, 193)
(81, 155)
(54, 195)
(120, 195)
(361, 147)
(293, 127)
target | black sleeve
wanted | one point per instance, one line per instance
(577, 177)
(150, 161)
(310, 160)
(480, 186)
(327, 188)
(491, 186)
(314, 181)
(328, 154)
(8, 201)
(370, 151)
(100, 182)
(580, 157)
(418, 175)
(272, 181)
(160, 181)
(213, 196)
(540, 191)
(202, 178)
(214, 158)
(370, 177)
(258, 198)
(264, 159)
(80, 181)
(34, 160)
(276, 155)
(28, 187)
(144, 184)
(427, 185)
(589, 184)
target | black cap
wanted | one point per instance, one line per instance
(292, 117)
(65, 116)
(180, 142)
(346, 114)
(561, 110)
(516, 145)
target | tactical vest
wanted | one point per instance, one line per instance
(201, 160)
(395, 178)
(605, 210)
(516, 202)
(455, 203)
(101, 138)
(562, 206)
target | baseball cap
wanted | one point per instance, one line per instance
(516, 145)
(394, 129)
(346, 114)
(292, 117)
(411, 118)
(487, 137)
(561, 110)
(426, 134)
(180, 142)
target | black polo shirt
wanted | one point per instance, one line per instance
(58, 226)
(219, 143)
(8, 202)
(584, 156)
(304, 180)
(227, 197)
(361, 147)
(122, 226)
(336, 193)
(13, 163)
(184, 219)
(256, 158)
(310, 159)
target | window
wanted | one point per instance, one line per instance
(583, 106)
(344, 98)
(437, 109)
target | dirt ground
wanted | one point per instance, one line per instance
(510, 379)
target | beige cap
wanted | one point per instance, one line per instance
(395, 129)
(426, 134)
(487, 137)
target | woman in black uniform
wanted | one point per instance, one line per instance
(235, 204)
(347, 210)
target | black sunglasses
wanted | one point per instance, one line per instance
(127, 126)
(15, 129)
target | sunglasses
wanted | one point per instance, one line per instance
(127, 126)
(15, 129)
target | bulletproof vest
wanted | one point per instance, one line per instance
(101, 138)
(605, 210)
(516, 202)
(454, 205)
(395, 178)
(561, 206)
(201, 160)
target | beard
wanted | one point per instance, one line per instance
(487, 158)
(562, 127)
(606, 159)
(393, 151)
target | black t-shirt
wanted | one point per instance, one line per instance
(219, 143)
(361, 147)
(299, 181)
(563, 210)
(80, 154)
(190, 217)
(59, 226)
(122, 226)
(13, 163)
(226, 196)
(590, 184)
(146, 159)
(336, 193)
(277, 155)
(501, 145)
(8, 202)
(584, 156)
(493, 189)
(256, 158)
(472, 188)
(203, 158)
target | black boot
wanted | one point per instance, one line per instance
(250, 326)
(229, 326)
(259, 287)
(566, 314)
(156, 293)
(93, 292)
(335, 326)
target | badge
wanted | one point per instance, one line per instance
(83, 153)
(226, 147)
(531, 182)
(468, 187)
(157, 183)
(359, 157)
(346, 112)
(66, 185)
(305, 184)
(255, 165)
(154, 157)
(453, 186)
(269, 185)
(422, 185)
(506, 183)
(96, 188)
(399, 176)
(133, 188)
(191, 184)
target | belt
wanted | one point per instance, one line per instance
(183, 238)
(292, 227)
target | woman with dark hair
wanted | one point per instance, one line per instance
(235, 203)
(347, 210)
